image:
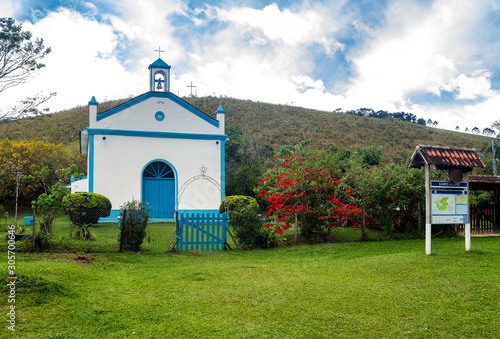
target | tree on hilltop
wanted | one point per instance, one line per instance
(489, 132)
(496, 125)
(421, 121)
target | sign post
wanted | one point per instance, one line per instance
(447, 203)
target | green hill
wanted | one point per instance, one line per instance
(274, 125)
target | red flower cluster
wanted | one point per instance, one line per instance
(297, 186)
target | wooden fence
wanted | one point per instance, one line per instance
(482, 221)
(201, 231)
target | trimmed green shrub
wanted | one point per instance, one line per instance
(134, 219)
(237, 202)
(250, 230)
(86, 208)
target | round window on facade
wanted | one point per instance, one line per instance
(159, 116)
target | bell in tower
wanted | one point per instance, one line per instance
(158, 82)
(159, 75)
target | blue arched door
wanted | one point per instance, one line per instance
(158, 189)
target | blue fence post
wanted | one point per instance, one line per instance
(179, 232)
(224, 229)
(214, 232)
(217, 231)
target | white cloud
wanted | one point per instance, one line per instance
(8, 8)
(304, 83)
(92, 8)
(262, 54)
(303, 27)
(420, 50)
(146, 24)
(470, 87)
(479, 115)
(82, 62)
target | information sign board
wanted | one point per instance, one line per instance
(449, 207)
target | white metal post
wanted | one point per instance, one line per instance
(428, 234)
(467, 237)
(467, 225)
(428, 218)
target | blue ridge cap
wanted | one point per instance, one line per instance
(93, 101)
(159, 64)
(220, 110)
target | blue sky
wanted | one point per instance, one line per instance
(437, 59)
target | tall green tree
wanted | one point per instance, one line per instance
(245, 159)
(20, 57)
(28, 157)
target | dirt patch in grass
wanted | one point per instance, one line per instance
(84, 259)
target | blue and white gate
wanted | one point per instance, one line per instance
(201, 231)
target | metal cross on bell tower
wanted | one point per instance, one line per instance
(159, 74)
(159, 52)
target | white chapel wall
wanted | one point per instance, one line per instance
(119, 162)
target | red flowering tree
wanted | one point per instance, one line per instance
(299, 189)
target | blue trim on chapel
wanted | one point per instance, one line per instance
(168, 95)
(93, 101)
(159, 63)
(115, 213)
(171, 135)
(220, 110)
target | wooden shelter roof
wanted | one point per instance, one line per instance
(446, 158)
(484, 182)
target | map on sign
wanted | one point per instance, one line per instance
(443, 204)
(448, 206)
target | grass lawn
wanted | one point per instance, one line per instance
(379, 289)
(158, 237)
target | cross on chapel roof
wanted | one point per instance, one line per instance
(159, 52)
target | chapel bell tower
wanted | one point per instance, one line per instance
(159, 75)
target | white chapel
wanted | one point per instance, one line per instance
(156, 148)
